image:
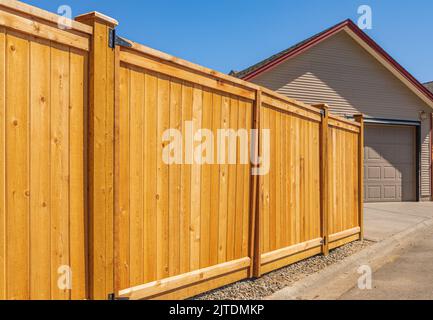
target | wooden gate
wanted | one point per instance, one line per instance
(180, 229)
(43, 97)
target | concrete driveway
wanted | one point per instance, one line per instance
(383, 220)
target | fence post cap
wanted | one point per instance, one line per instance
(97, 16)
(322, 106)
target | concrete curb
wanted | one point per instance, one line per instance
(331, 282)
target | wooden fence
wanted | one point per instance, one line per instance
(43, 97)
(83, 183)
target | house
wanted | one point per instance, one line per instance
(344, 68)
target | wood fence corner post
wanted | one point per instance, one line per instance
(324, 178)
(255, 229)
(100, 155)
(360, 118)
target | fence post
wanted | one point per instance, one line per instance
(100, 155)
(360, 118)
(255, 226)
(324, 178)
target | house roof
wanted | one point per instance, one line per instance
(358, 35)
(429, 85)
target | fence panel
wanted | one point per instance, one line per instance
(184, 222)
(43, 94)
(344, 196)
(290, 215)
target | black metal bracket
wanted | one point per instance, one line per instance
(112, 297)
(114, 40)
(119, 41)
(111, 38)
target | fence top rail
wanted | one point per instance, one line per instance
(162, 56)
(284, 99)
(346, 121)
(134, 46)
(41, 14)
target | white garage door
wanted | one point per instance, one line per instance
(390, 158)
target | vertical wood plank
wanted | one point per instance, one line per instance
(17, 167)
(137, 189)
(185, 200)
(302, 182)
(277, 168)
(122, 183)
(266, 189)
(298, 180)
(3, 279)
(162, 184)
(223, 186)
(308, 181)
(232, 183)
(40, 278)
(206, 187)
(283, 181)
(292, 181)
(239, 203)
(360, 119)
(247, 219)
(198, 230)
(174, 182)
(215, 186)
(78, 101)
(150, 164)
(273, 182)
(60, 79)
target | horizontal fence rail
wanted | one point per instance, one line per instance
(86, 119)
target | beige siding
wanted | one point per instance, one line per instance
(342, 74)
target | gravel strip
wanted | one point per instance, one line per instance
(270, 283)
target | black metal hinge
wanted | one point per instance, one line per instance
(114, 40)
(111, 38)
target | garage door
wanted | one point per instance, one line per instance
(390, 157)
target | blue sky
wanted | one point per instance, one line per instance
(234, 34)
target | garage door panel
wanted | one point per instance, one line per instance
(374, 173)
(390, 192)
(373, 192)
(390, 171)
(372, 155)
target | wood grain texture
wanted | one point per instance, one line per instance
(101, 159)
(83, 131)
(3, 230)
(42, 187)
(201, 214)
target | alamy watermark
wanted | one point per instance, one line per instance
(64, 281)
(365, 20)
(366, 278)
(65, 17)
(201, 146)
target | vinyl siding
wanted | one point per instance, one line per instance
(342, 74)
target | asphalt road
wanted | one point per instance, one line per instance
(409, 276)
